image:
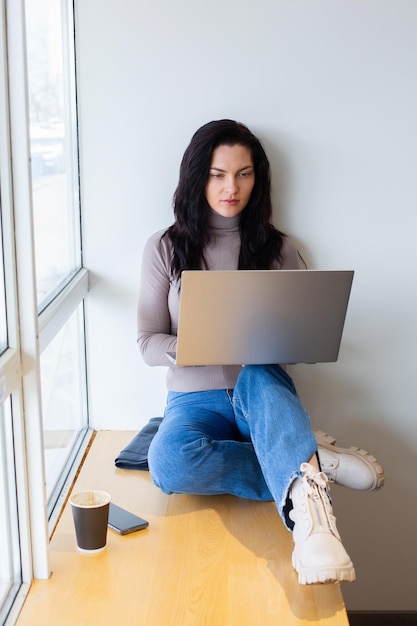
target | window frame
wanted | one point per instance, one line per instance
(10, 359)
(29, 331)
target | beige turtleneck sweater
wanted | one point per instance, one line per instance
(159, 303)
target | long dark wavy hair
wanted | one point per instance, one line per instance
(261, 242)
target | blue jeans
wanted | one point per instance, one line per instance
(248, 441)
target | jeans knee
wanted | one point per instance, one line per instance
(256, 373)
(173, 462)
(259, 376)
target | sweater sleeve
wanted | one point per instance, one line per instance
(154, 333)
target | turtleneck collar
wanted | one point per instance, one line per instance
(219, 222)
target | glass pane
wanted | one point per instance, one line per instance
(3, 319)
(63, 399)
(53, 138)
(10, 566)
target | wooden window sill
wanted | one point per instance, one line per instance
(215, 560)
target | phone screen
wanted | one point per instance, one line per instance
(123, 521)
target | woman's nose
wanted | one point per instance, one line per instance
(231, 185)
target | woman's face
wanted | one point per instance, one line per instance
(231, 180)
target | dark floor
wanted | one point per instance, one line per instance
(387, 618)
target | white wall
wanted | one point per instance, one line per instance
(331, 89)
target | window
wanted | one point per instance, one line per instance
(13, 515)
(10, 562)
(53, 143)
(3, 319)
(43, 398)
(63, 400)
(57, 236)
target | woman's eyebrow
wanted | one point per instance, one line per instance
(218, 169)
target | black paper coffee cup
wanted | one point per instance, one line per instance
(90, 511)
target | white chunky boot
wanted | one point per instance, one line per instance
(319, 556)
(350, 467)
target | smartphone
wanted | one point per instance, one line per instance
(123, 521)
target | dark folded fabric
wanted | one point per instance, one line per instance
(135, 454)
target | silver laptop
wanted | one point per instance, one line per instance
(261, 317)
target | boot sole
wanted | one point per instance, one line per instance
(310, 576)
(327, 442)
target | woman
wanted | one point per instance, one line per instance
(233, 429)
